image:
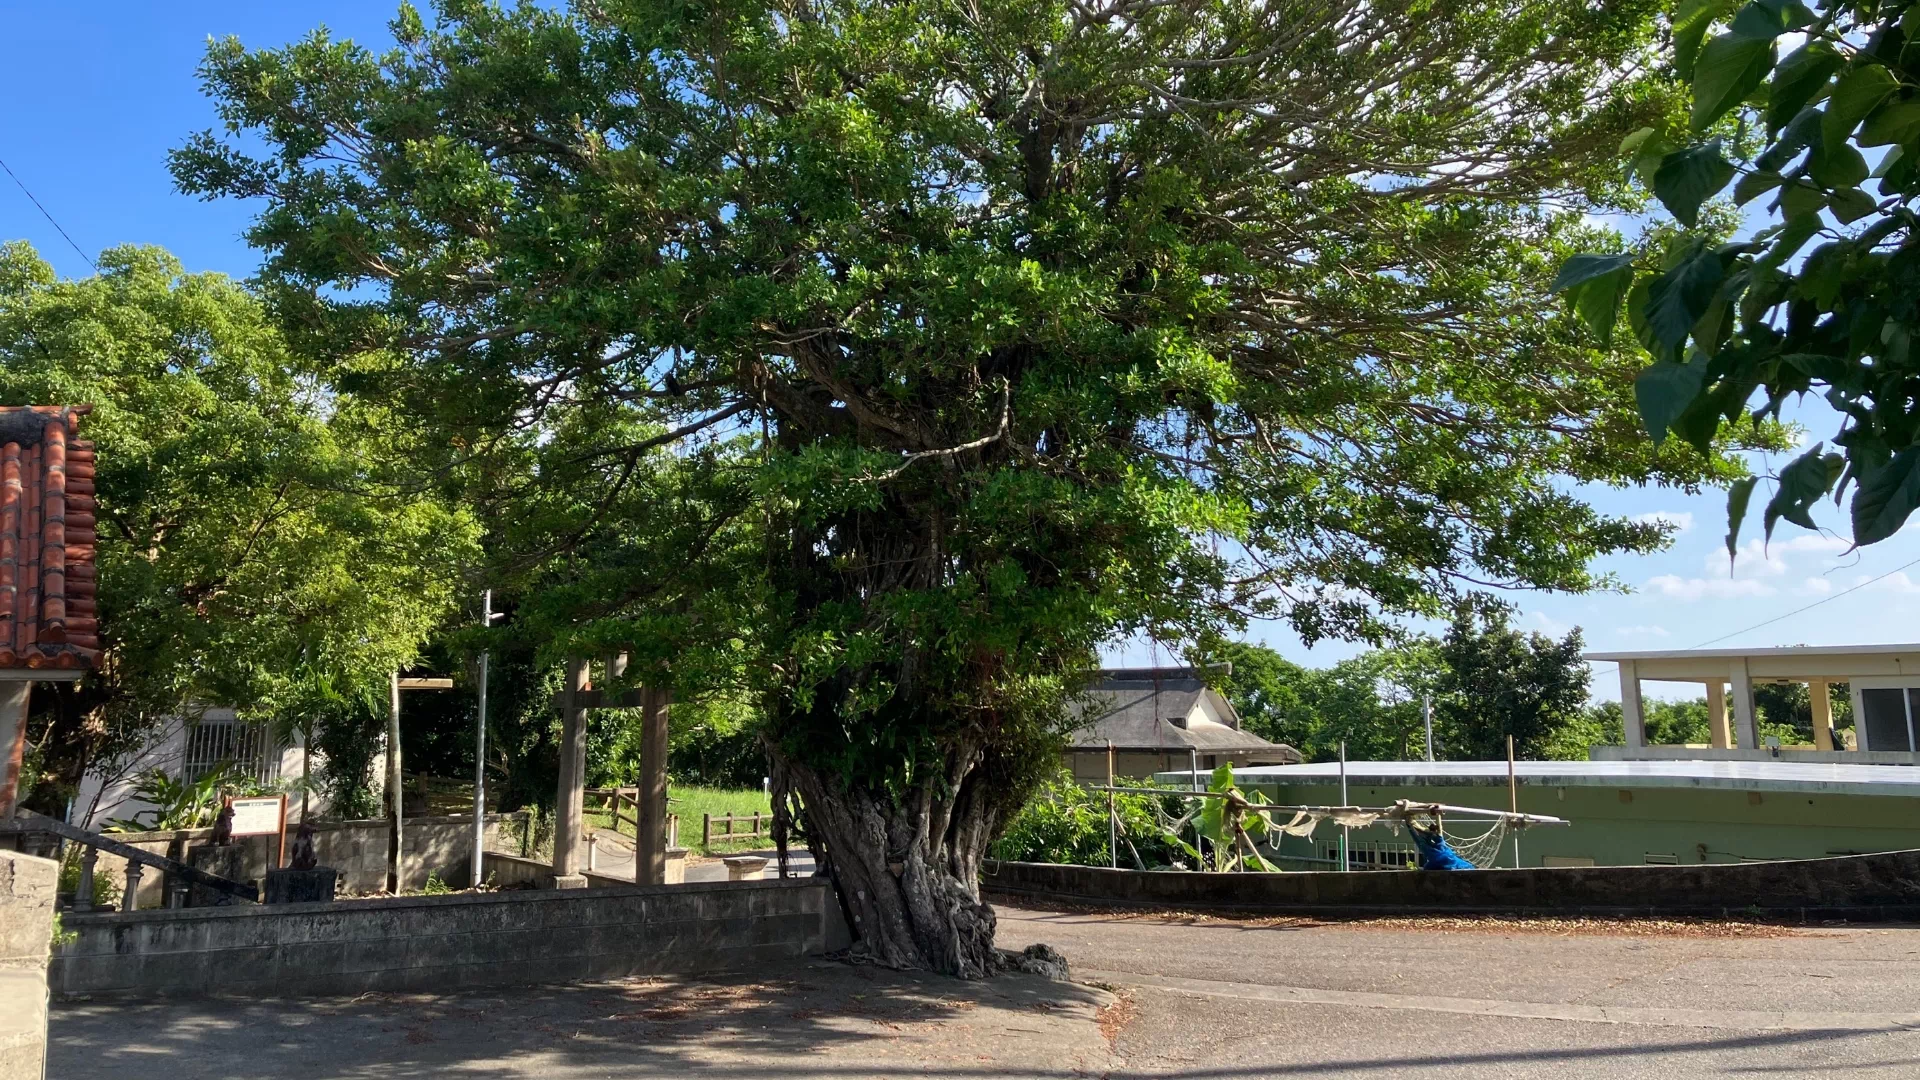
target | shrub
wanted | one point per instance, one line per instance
(1066, 823)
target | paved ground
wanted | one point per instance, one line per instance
(813, 1021)
(1223, 999)
(1193, 999)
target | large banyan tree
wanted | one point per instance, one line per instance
(993, 330)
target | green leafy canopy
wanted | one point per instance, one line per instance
(1768, 316)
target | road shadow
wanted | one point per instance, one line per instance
(819, 1019)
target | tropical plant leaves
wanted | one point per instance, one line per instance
(1595, 285)
(1755, 184)
(1665, 390)
(1690, 25)
(1678, 298)
(1687, 178)
(1892, 125)
(1886, 496)
(1738, 496)
(1730, 67)
(1768, 19)
(1801, 484)
(1796, 80)
(1857, 92)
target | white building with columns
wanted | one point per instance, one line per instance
(1883, 682)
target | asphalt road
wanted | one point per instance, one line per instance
(1196, 1000)
(1222, 999)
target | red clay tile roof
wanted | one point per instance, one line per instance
(47, 613)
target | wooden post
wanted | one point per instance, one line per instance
(756, 824)
(706, 831)
(1819, 696)
(396, 802)
(15, 695)
(569, 803)
(650, 846)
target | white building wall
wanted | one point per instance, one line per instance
(105, 795)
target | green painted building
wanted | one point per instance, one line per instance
(1622, 813)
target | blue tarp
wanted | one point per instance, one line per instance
(1435, 852)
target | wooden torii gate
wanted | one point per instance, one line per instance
(578, 696)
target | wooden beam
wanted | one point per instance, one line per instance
(426, 684)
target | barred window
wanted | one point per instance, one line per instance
(212, 742)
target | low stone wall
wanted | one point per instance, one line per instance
(434, 943)
(1860, 887)
(27, 887)
(358, 849)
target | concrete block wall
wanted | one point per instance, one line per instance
(1857, 887)
(27, 886)
(358, 849)
(433, 943)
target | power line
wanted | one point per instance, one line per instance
(1791, 614)
(49, 217)
(1811, 606)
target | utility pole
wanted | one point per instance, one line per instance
(395, 820)
(1344, 863)
(1426, 712)
(480, 755)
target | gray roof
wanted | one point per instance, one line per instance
(1147, 709)
(1786, 651)
(1783, 775)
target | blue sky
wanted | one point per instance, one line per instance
(98, 93)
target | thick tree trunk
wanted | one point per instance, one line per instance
(908, 869)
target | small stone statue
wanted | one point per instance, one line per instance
(223, 826)
(303, 855)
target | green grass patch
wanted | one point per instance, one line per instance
(689, 802)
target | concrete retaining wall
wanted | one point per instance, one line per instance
(1866, 887)
(27, 887)
(358, 849)
(432, 943)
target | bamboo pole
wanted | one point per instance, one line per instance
(1513, 800)
(1113, 823)
(1344, 831)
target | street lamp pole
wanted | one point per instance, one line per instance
(480, 756)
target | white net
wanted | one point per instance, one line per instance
(1481, 849)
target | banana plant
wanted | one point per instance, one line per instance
(1230, 824)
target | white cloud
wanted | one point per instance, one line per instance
(1815, 586)
(1720, 588)
(1681, 520)
(1548, 625)
(1897, 583)
(1642, 631)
